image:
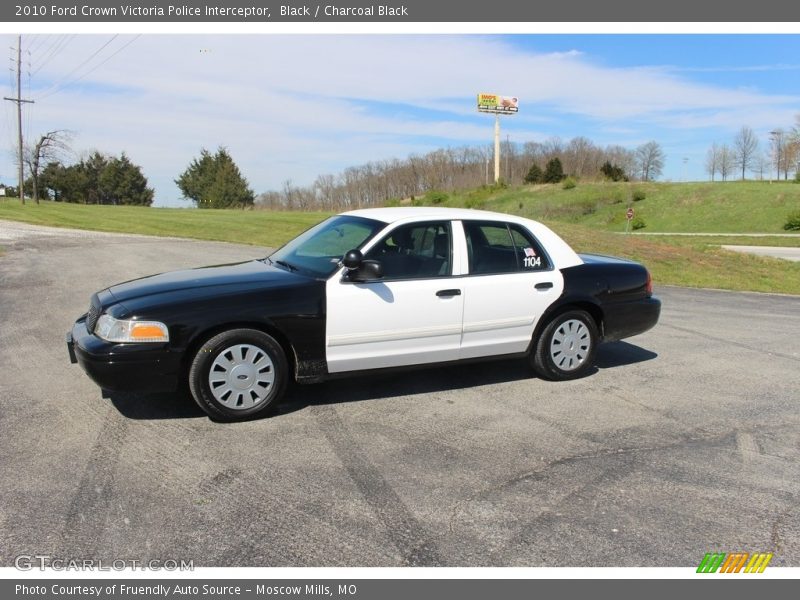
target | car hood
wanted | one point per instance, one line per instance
(252, 274)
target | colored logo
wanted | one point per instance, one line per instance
(734, 562)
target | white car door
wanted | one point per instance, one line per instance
(413, 315)
(511, 283)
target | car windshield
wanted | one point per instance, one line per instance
(317, 251)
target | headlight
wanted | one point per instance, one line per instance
(115, 330)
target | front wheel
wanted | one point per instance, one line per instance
(566, 347)
(238, 374)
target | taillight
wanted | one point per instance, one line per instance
(648, 286)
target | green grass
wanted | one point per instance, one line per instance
(712, 240)
(687, 262)
(731, 207)
(257, 227)
(674, 260)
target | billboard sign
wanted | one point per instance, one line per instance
(493, 103)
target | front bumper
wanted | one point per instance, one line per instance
(124, 367)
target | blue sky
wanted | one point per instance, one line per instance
(291, 107)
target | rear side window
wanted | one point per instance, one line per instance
(502, 248)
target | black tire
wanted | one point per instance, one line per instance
(256, 382)
(578, 329)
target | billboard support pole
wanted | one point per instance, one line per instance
(497, 147)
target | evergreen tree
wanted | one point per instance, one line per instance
(214, 181)
(534, 174)
(98, 179)
(122, 182)
(613, 172)
(553, 172)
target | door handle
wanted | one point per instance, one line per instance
(448, 293)
(545, 285)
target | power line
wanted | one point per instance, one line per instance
(38, 42)
(60, 44)
(93, 69)
(58, 85)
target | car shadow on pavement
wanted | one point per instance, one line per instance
(619, 354)
(441, 379)
(169, 405)
(377, 386)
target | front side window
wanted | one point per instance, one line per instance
(495, 247)
(317, 252)
(415, 251)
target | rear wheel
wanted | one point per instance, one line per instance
(238, 374)
(566, 347)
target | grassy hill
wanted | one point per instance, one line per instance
(257, 227)
(589, 216)
(732, 207)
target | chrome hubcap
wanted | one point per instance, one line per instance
(570, 345)
(241, 376)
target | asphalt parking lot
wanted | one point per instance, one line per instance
(685, 440)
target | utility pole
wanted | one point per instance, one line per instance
(19, 102)
(497, 147)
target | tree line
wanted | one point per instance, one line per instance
(97, 178)
(210, 181)
(745, 154)
(213, 180)
(374, 183)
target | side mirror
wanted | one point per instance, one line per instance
(360, 270)
(370, 270)
(352, 259)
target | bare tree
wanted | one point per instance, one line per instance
(375, 183)
(712, 160)
(50, 147)
(650, 159)
(726, 161)
(761, 165)
(789, 156)
(745, 148)
(777, 142)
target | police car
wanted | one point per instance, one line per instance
(370, 289)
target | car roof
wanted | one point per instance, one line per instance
(557, 248)
(402, 213)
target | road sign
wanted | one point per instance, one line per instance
(629, 214)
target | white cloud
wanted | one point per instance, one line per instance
(294, 106)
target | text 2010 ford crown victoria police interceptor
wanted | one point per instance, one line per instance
(368, 289)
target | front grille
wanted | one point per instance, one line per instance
(92, 315)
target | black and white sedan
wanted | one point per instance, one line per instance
(363, 290)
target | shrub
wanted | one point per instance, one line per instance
(638, 223)
(639, 195)
(417, 201)
(793, 221)
(392, 202)
(613, 172)
(569, 183)
(500, 185)
(436, 197)
(553, 171)
(534, 174)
